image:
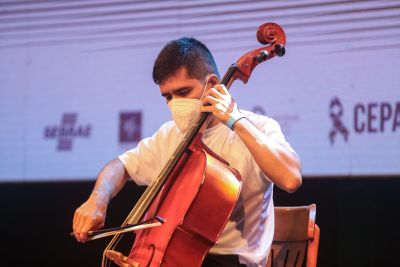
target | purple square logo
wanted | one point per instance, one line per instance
(130, 127)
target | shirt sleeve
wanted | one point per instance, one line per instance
(143, 163)
(272, 129)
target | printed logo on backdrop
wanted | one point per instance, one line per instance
(368, 118)
(377, 117)
(336, 114)
(286, 121)
(130, 127)
(67, 131)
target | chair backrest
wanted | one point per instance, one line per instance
(296, 237)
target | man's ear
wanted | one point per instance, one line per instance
(213, 79)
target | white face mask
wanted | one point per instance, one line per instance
(185, 110)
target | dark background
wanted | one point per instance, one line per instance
(357, 216)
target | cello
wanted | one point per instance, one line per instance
(179, 198)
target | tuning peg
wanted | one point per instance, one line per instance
(262, 56)
(279, 50)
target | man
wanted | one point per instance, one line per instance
(253, 144)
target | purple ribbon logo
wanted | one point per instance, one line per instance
(336, 112)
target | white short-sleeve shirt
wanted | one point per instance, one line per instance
(249, 231)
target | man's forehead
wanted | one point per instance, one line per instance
(181, 73)
(180, 76)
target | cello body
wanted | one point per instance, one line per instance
(196, 203)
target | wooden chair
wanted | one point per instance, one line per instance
(296, 237)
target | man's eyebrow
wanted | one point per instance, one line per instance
(177, 90)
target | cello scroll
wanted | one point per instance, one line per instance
(273, 37)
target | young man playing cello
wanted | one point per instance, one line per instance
(253, 144)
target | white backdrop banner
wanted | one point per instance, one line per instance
(76, 87)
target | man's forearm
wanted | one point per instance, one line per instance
(110, 181)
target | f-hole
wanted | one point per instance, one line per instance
(153, 249)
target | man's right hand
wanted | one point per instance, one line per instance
(89, 216)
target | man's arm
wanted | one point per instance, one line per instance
(91, 214)
(277, 161)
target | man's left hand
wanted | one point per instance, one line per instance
(220, 103)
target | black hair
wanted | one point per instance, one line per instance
(184, 52)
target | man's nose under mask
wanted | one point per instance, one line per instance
(184, 111)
